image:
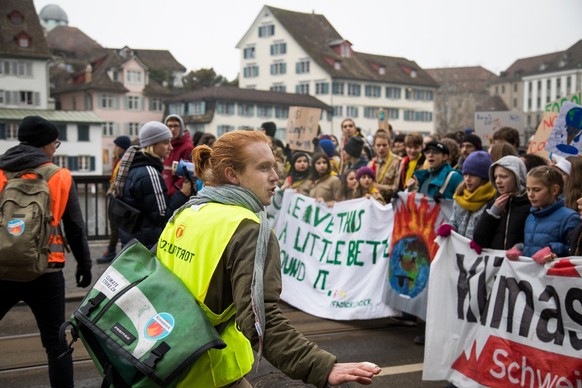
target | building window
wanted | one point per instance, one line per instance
(352, 111)
(133, 76)
(515, 102)
(197, 108)
(108, 128)
(16, 68)
(84, 163)
(393, 113)
(63, 134)
(515, 88)
(354, 90)
(9, 131)
(393, 93)
(370, 112)
(82, 132)
(558, 87)
(265, 111)
(156, 105)
(61, 161)
(133, 102)
(302, 67)
(107, 101)
(503, 89)
(345, 50)
(539, 85)
(23, 40)
(29, 98)
(373, 91)
(279, 48)
(15, 17)
(338, 110)
(133, 129)
(411, 115)
(322, 88)
(419, 94)
(246, 110)
(382, 70)
(302, 88)
(281, 112)
(266, 31)
(337, 88)
(568, 84)
(249, 52)
(278, 88)
(251, 71)
(225, 107)
(278, 68)
(222, 129)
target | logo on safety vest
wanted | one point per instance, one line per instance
(15, 227)
(160, 326)
(180, 231)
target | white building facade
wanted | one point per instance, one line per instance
(276, 56)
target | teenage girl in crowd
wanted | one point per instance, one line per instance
(548, 225)
(367, 185)
(298, 177)
(573, 186)
(473, 194)
(326, 186)
(349, 185)
(501, 224)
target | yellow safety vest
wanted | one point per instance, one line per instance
(205, 231)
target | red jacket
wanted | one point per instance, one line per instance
(181, 149)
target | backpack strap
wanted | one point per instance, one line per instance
(447, 179)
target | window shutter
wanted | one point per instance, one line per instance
(116, 102)
(29, 69)
(15, 97)
(3, 131)
(72, 163)
(36, 98)
(92, 163)
(272, 49)
(298, 67)
(272, 69)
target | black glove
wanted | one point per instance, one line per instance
(315, 142)
(83, 276)
(438, 196)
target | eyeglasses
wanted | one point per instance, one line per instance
(57, 144)
(432, 151)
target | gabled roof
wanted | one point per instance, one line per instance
(315, 34)
(465, 79)
(30, 25)
(159, 59)
(547, 63)
(492, 104)
(231, 93)
(70, 42)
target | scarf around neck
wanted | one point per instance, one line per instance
(477, 199)
(238, 196)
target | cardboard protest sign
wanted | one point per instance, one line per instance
(566, 136)
(495, 322)
(538, 144)
(555, 106)
(334, 261)
(302, 128)
(486, 123)
(383, 121)
(416, 218)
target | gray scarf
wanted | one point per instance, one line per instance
(238, 196)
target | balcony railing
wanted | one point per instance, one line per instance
(91, 191)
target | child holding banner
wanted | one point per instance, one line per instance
(326, 185)
(473, 194)
(298, 177)
(349, 185)
(367, 185)
(501, 224)
(548, 225)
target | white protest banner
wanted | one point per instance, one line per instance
(416, 219)
(494, 322)
(302, 128)
(566, 136)
(334, 261)
(486, 123)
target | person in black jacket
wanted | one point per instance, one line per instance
(145, 189)
(501, 225)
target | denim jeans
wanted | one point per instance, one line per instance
(45, 296)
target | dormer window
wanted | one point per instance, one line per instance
(413, 74)
(23, 40)
(16, 18)
(345, 50)
(382, 70)
(543, 66)
(337, 65)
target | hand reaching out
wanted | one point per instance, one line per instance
(360, 372)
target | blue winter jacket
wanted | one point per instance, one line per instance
(549, 227)
(438, 180)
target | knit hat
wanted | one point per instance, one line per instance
(365, 171)
(178, 119)
(327, 147)
(473, 139)
(270, 128)
(37, 132)
(153, 132)
(122, 141)
(478, 163)
(354, 146)
(438, 146)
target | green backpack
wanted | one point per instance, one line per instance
(25, 224)
(140, 324)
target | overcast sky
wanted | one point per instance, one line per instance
(433, 33)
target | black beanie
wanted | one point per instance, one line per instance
(270, 128)
(354, 146)
(473, 139)
(36, 131)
